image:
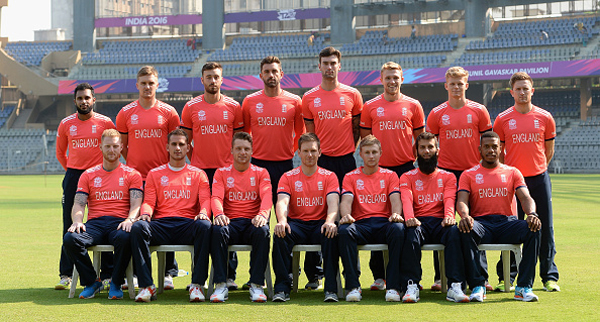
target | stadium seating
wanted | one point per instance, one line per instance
(24, 150)
(154, 51)
(31, 53)
(5, 113)
(377, 43)
(128, 72)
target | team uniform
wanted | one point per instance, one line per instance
(371, 209)
(491, 192)
(524, 137)
(82, 140)
(176, 197)
(108, 205)
(242, 196)
(332, 112)
(307, 211)
(393, 124)
(430, 198)
(212, 127)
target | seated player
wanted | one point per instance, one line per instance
(175, 211)
(307, 206)
(371, 212)
(485, 196)
(241, 203)
(113, 194)
(428, 195)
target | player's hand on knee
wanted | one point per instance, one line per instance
(281, 228)
(202, 216)
(125, 225)
(448, 221)
(76, 227)
(413, 222)
(329, 229)
(534, 223)
(347, 219)
(259, 221)
(465, 224)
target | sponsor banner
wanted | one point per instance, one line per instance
(148, 21)
(579, 68)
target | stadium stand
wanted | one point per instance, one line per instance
(31, 53)
(155, 51)
(377, 43)
(578, 149)
(26, 150)
(128, 72)
(5, 113)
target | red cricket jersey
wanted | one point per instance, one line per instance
(458, 131)
(428, 195)
(393, 124)
(82, 139)
(108, 192)
(275, 123)
(242, 194)
(212, 127)
(308, 195)
(371, 192)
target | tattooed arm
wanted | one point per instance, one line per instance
(78, 212)
(135, 201)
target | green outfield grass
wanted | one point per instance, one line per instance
(30, 237)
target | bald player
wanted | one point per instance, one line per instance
(144, 125)
(527, 134)
(458, 123)
(79, 135)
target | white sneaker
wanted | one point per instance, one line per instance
(354, 296)
(221, 293)
(64, 283)
(412, 293)
(146, 294)
(169, 283)
(478, 294)
(196, 293)
(525, 294)
(392, 296)
(456, 294)
(257, 294)
(126, 287)
(378, 285)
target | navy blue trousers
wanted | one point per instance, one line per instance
(99, 231)
(432, 232)
(500, 229)
(170, 231)
(375, 230)
(240, 231)
(304, 233)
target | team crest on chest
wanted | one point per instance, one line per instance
(94, 128)
(512, 124)
(479, 178)
(469, 118)
(121, 182)
(381, 184)
(160, 119)
(225, 115)
(320, 185)
(317, 102)
(360, 185)
(134, 119)
(503, 178)
(97, 182)
(536, 123)
(404, 111)
(188, 181)
(73, 130)
(164, 181)
(283, 108)
(298, 186)
(342, 101)
(259, 108)
(446, 119)
(440, 183)
(419, 185)
(252, 181)
(201, 115)
(380, 112)
(230, 182)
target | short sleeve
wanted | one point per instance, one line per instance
(485, 124)
(499, 129)
(550, 129)
(186, 118)
(333, 185)
(358, 103)
(246, 115)
(518, 179)
(432, 123)
(418, 117)
(122, 125)
(284, 185)
(173, 119)
(84, 183)
(365, 118)
(306, 112)
(238, 117)
(347, 185)
(135, 181)
(394, 183)
(464, 182)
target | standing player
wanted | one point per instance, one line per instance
(371, 212)
(144, 125)
(176, 211)
(241, 203)
(79, 134)
(210, 120)
(485, 196)
(458, 123)
(113, 195)
(307, 206)
(527, 134)
(428, 196)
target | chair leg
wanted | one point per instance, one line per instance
(269, 279)
(129, 276)
(74, 282)
(518, 256)
(211, 284)
(506, 267)
(442, 261)
(162, 262)
(97, 260)
(340, 289)
(295, 269)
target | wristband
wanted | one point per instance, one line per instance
(533, 214)
(219, 215)
(264, 216)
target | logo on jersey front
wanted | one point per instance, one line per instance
(160, 119)
(320, 185)
(97, 182)
(134, 119)
(202, 115)
(512, 124)
(230, 182)
(342, 101)
(164, 181)
(440, 183)
(283, 108)
(446, 119)
(121, 182)
(419, 185)
(479, 178)
(382, 184)
(360, 185)
(252, 181)
(225, 115)
(503, 178)
(380, 112)
(317, 102)
(188, 181)
(536, 124)
(404, 111)
(93, 128)
(259, 108)
(298, 186)
(73, 130)
(469, 118)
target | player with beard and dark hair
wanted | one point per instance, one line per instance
(428, 196)
(79, 134)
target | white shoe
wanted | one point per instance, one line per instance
(412, 293)
(378, 285)
(169, 283)
(221, 293)
(126, 287)
(478, 294)
(196, 294)
(456, 294)
(392, 296)
(257, 294)
(146, 294)
(354, 296)
(64, 283)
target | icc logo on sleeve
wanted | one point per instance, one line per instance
(479, 178)
(230, 182)
(97, 182)
(360, 185)
(298, 186)
(446, 119)
(164, 181)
